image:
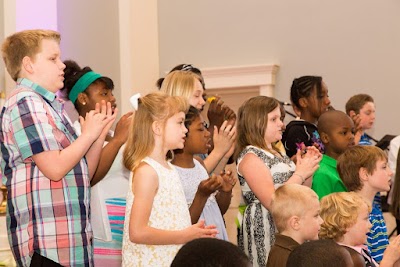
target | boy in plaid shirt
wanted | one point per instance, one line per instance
(45, 166)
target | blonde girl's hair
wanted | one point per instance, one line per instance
(22, 44)
(252, 122)
(339, 212)
(153, 107)
(180, 83)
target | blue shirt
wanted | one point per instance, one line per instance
(377, 240)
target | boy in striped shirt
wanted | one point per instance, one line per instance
(364, 170)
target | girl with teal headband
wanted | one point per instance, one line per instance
(84, 88)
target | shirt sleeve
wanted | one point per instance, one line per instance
(32, 129)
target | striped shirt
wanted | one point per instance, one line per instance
(43, 216)
(377, 240)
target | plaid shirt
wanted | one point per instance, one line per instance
(43, 216)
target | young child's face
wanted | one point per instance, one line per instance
(175, 132)
(97, 92)
(310, 222)
(197, 100)
(357, 233)
(367, 115)
(198, 140)
(341, 136)
(47, 67)
(319, 103)
(380, 179)
(273, 132)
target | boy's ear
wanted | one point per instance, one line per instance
(352, 113)
(294, 222)
(324, 138)
(363, 173)
(303, 102)
(27, 64)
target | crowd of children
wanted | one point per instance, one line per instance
(154, 191)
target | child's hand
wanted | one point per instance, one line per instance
(224, 138)
(392, 253)
(357, 123)
(97, 120)
(200, 230)
(308, 163)
(228, 181)
(215, 114)
(122, 127)
(210, 185)
(106, 109)
(229, 115)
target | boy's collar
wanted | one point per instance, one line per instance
(37, 88)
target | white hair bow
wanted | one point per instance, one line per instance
(135, 100)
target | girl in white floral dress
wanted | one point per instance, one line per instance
(261, 168)
(157, 219)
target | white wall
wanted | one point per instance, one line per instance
(354, 45)
(90, 36)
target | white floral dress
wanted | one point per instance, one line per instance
(257, 233)
(169, 212)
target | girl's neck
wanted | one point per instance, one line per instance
(183, 160)
(160, 156)
(308, 118)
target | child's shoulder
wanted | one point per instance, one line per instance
(20, 95)
(145, 170)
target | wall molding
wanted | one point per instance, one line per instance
(261, 76)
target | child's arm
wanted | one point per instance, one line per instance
(144, 186)
(205, 189)
(224, 195)
(358, 130)
(110, 151)
(227, 157)
(67, 158)
(223, 140)
(258, 177)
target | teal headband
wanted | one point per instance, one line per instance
(83, 83)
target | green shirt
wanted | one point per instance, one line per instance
(326, 179)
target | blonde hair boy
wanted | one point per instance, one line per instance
(295, 209)
(345, 216)
(339, 212)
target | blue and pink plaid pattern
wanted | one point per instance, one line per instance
(43, 216)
